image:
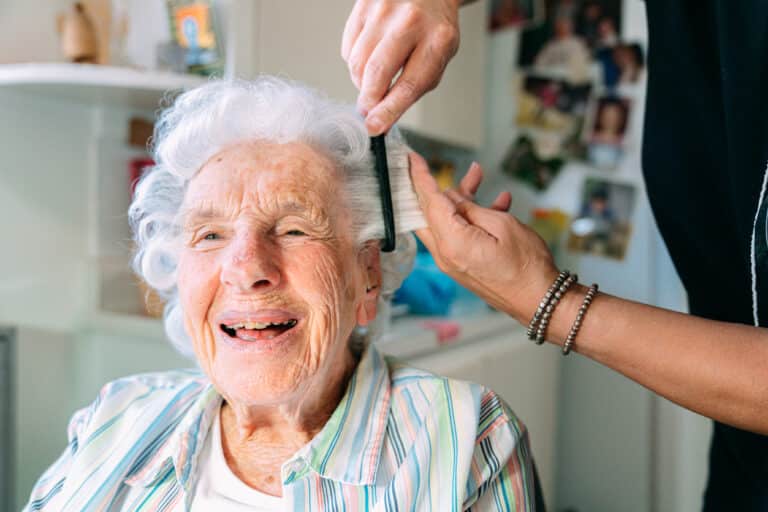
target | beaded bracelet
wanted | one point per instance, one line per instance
(588, 298)
(542, 329)
(544, 302)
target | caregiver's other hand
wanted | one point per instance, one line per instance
(485, 249)
(382, 37)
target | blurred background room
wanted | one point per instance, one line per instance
(548, 95)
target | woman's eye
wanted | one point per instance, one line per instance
(295, 232)
(211, 236)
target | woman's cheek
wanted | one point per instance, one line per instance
(198, 282)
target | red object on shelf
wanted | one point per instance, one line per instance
(136, 169)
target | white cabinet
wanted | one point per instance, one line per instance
(454, 111)
(302, 40)
(37, 378)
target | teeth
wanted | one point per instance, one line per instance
(260, 325)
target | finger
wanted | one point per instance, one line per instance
(366, 41)
(352, 27)
(485, 219)
(385, 61)
(421, 73)
(502, 202)
(424, 184)
(438, 209)
(471, 181)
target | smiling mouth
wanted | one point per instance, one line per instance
(257, 331)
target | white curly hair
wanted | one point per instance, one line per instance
(205, 120)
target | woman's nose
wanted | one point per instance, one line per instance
(250, 266)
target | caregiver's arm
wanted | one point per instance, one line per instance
(717, 369)
(382, 37)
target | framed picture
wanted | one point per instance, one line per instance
(605, 140)
(572, 30)
(447, 162)
(514, 13)
(621, 64)
(524, 161)
(194, 30)
(603, 224)
(552, 104)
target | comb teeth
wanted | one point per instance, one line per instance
(379, 149)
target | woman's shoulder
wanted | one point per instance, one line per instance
(151, 387)
(165, 381)
(429, 393)
(149, 395)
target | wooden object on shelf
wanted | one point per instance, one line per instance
(100, 13)
(139, 132)
(78, 35)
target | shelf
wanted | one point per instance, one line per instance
(92, 84)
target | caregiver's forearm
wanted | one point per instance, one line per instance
(717, 369)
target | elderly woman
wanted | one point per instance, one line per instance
(259, 224)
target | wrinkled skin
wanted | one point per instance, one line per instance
(267, 235)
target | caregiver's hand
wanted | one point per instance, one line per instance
(382, 37)
(485, 249)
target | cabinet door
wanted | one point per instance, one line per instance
(455, 111)
(42, 401)
(302, 40)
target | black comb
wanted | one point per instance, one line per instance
(379, 149)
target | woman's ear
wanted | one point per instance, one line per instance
(370, 263)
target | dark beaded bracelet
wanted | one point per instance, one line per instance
(571, 339)
(544, 302)
(541, 331)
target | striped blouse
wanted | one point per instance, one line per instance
(400, 439)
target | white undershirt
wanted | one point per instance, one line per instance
(219, 489)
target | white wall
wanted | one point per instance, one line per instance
(40, 43)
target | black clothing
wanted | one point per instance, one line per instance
(704, 157)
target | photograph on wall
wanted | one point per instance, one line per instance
(506, 14)
(447, 162)
(572, 33)
(533, 160)
(602, 226)
(621, 65)
(194, 30)
(605, 143)
(551, 104)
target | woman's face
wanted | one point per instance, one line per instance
(611, 118)
(270, 279)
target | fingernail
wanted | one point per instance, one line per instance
(363, 106)
(375, 124)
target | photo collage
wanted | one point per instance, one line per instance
(574, 90)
